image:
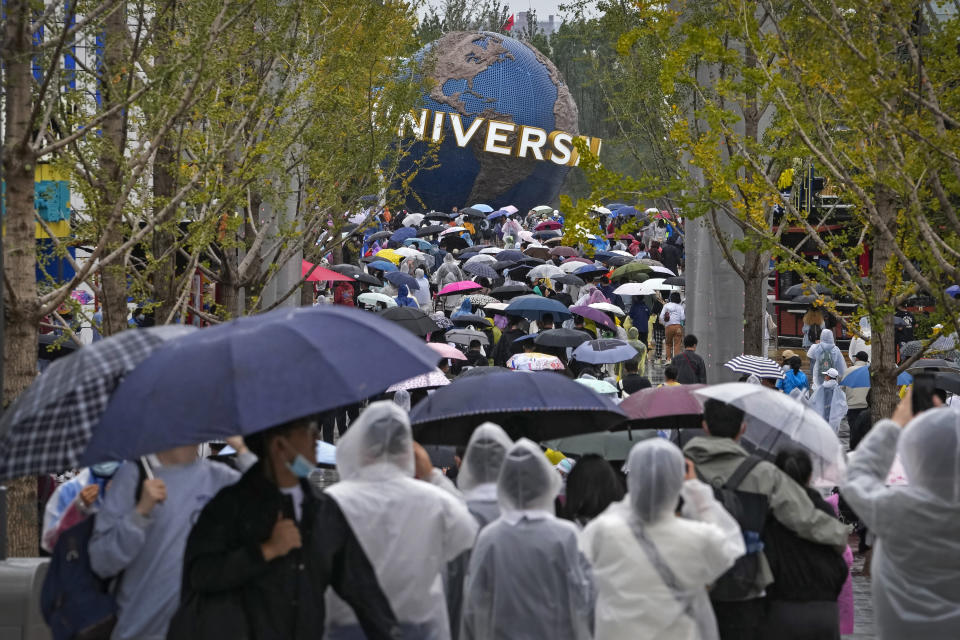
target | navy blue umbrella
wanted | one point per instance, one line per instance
(398, 278)
(511, 255)
(590, 270)
(253, 373)
(538, 405)
(403, 234)
(481, 269)
(606, 351)
(533, 307)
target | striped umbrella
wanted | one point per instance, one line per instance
(755, 365)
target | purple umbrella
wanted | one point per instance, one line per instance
(593, 314)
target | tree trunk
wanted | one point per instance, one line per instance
(306, 294)
(114, 281)
(883, 360)
(754, 302)
(19, 259)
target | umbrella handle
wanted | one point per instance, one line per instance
(147, 469)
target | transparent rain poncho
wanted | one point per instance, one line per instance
(916, 559)
(659, 590)
(408, 528)
(527, 577)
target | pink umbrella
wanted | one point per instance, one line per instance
(548, 225)
(510, 209)
(446, 351)
(426, 381)
(593, 314)
(320, 274)
(583, 260)
(459, 287)
(665, 407)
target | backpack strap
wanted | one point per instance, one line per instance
(741, 472)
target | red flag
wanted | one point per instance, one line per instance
(508, 25)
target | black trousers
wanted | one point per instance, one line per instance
(341, 417)
(740, 620)
(814, 620)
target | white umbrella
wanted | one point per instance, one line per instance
(526, 236)
(625, 254)
(601, 210)
(479, 258)
(491, 250)
(371, 299)
(545, 271)
(658, 269)
(635, 289)
(413, 219)
(570, 267)
(409, 252)
(775, 421)
(608, 308)
(755, 365)
(495, 306)
(452, 230)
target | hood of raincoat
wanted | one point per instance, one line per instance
(466, 308)
(930, 451)
(483, 459)
(449, 259)
(827, 339)
(655, 471)
(418, 274)
(527, 482)
(403, 291)
(633, 333)
(381, 438)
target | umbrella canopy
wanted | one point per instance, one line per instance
(491, 250)
(443, 322)
(481, 270)
(588, 271)
(539, 406)
(803, 289)
(466, 336)
(611, 446)
(548, 225)
(543, 209)
(480, 300)
(479, 258)
(570, 265)
(755, 365)
(569, 278)
(444, 350)
(413, 320)
(545, 271)
(464, 319)
(313, 273)
(439, 215)
(546, 235)
(473, 212)
(403, 233)
(459, 287)
(598, 386)
(678, 281)
(859, 378)
(538, 251)
(485, 208)
(379, 235)
(634, 271)
(663, 270)
(389, 254)
(49, 425)
(953, 291)
(398, 278)
(448, 230)
(593, 314)
(667, 407)
(533, 307)
(606, 307)
(251, 374)
(534, 362)
(606, 351)
(419, 243)
(932, 365)
(475, 372)
(382, 265)
(511, 255)
(410, 252)
(430, 380)
(347, 269)
(561, 338)
(497, 214)
(635, 289)
(371, 299)
(510, 291)
(413, 219)
(369, 279)
(430, 230)
(775, 420)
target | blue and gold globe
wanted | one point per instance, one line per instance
(494, 78)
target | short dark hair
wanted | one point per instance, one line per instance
(795, 463)
(690, 340)
(259, 442)
(546, 318)
(632, 366)
(670, 372)
(862, 356)
(475, 344)
(592, 486)
(675, 297)
(577, 320)
(723, 420)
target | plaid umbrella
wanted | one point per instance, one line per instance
(755, 365)
(50, 424)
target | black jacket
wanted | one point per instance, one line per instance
(803, 571)
(504, 348)
(230, 591)
(691, 369)
(633, 382)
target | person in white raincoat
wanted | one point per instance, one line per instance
(829, 400)
(408, 528)
(824, 355)
(861, 342)
(651, 566)
(916, 558)
(527, 577)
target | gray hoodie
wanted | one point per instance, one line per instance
(717, 458)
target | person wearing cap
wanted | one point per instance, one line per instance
(856, 396)
(785, 359)
(828, 400)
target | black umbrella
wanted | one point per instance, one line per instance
(430, 230)
(530, 261)
(803, 289)
(453, 241)
(346, 269)
(476, 372)
(519, 272)
(540, 235)
(379, 235)
(538, 405)
(570, 279)
(511, 255)
(561, 338)
(369, 279)
(802, 299)
(470, 212)
(466, 336)
(510, 291)
(933, 365)
(948, 382)
(469, 318)
(411, 319)
(618, 261)
(439, 215)
(676, 281)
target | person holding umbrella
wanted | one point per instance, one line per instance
(504, 347)
(264, 549)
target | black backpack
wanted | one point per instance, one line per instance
(750, 512)
(77, 604)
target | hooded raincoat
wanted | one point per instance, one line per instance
(408, 528)
(916, 559)
(861, 342)
(403, 298)
(825, 355)
(527, 577)
(449, 269)
(630, 542)
(830, 402)
(422, 295)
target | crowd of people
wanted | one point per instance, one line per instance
(686, 538)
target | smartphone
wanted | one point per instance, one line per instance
(924, 386)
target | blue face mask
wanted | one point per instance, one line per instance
(104, 469)
(300, 467)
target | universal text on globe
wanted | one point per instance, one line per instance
(531, 142)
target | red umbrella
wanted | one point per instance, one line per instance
(320, 274)
(667, 407)
(621, 236)
(459, 287)
(567, 252)
(548, 225)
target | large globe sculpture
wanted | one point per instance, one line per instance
(491, 76)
